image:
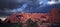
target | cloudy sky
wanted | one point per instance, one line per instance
(7, 7)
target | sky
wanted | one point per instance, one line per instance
(8, 7)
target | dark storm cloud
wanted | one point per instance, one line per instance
(7, 5)
(15, 3)
(10, 3)
(32, 6)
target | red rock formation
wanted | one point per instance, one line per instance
(52, 17)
